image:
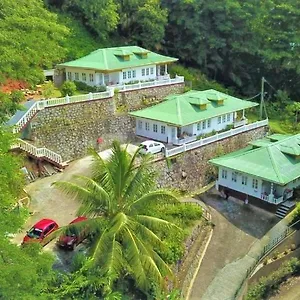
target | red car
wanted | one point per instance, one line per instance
(39, 232)
(73, 235)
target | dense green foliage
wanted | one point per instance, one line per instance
(268, 285)
(68, 88)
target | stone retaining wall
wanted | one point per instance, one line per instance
(70, 130)
(190, 171)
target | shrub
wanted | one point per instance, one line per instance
(48, 89)
(82, 86)
(68, 88)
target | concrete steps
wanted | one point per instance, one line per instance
(284, 208)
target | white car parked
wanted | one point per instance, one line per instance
(151, 147)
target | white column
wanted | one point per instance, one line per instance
(243, 114)
(166, 69)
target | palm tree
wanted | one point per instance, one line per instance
(115, 199)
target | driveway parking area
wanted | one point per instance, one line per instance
(237, 227)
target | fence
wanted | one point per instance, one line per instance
(215, 138)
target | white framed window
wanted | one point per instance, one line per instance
(199, 126)
(228, 117)
(244, 180)
(233, 177)
(204, 124)
(129, 74)
(91, 76)
(154, 127)
(147, 126)
(147, 71)
(223, 118)
(140, 124)
(124, 75)
(219, 120)
(255, 184)
(208, 123)
(83, 76)
(133, 73)
(143, 72)
(224, 174)
(69, 76)
(152, 71)
(163, 129)
(76, 76)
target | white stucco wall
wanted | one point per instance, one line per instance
(159, 136)
(114, 77)
(238, 186)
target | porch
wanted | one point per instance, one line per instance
(275, 194)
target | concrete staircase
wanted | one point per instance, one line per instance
(284, 208)
(40, 153)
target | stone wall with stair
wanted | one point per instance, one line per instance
(190, 171)
(70, 130)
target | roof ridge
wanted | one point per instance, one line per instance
(274, 164)
(178, 110)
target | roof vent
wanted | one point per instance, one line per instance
(124, 54)
(141, 52)
(216, 97)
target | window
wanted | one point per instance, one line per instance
(163, 129)
(76, 76)
(255, 184)
(143, 72)
(151, 71)
(244, 180)
(228, 117)
(233, 178)
(219, 120)
(129, 74)
(140, 124)
(154, 127)
(69, 76)
(91, 77)
(83, 76)
(147, 71)
(133, 73)
(224, 174)
(124, 75)
(199, 126)
(203, 124)
(147, 127)
(223, 118)
(208, 123)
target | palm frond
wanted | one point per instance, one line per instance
(154, 197)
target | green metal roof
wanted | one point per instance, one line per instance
(185, 109)
(109, 59)
(277, 162)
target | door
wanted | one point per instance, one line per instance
(157, 147)
(151, 148)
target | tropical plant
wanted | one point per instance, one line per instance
(127, 239)
(68, 88)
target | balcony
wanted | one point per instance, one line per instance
(271, 198)
(184, 140)
(240, 123)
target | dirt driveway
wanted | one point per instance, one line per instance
(237, 227)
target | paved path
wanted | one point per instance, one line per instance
(237, 228)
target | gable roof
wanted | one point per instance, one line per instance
(112, 59)
(275, 161)
(182, 110)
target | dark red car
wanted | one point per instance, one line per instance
(39, 232)
(73, 236)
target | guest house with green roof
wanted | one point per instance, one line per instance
(266, 171)
(118, 66)
(181, 119)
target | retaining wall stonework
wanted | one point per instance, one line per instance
(190, 171)
(70, 130)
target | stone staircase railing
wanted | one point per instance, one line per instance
(43, 152)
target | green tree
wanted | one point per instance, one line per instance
(30, 40)
(116, 199)
(48, 89)
(68, 88)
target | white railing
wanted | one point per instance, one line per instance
(147, 84)
(38, 152)
(179, 142)
(214, 138)
(41, 104)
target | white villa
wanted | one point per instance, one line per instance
(182, 118)
(117, 66)
(266, 171)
